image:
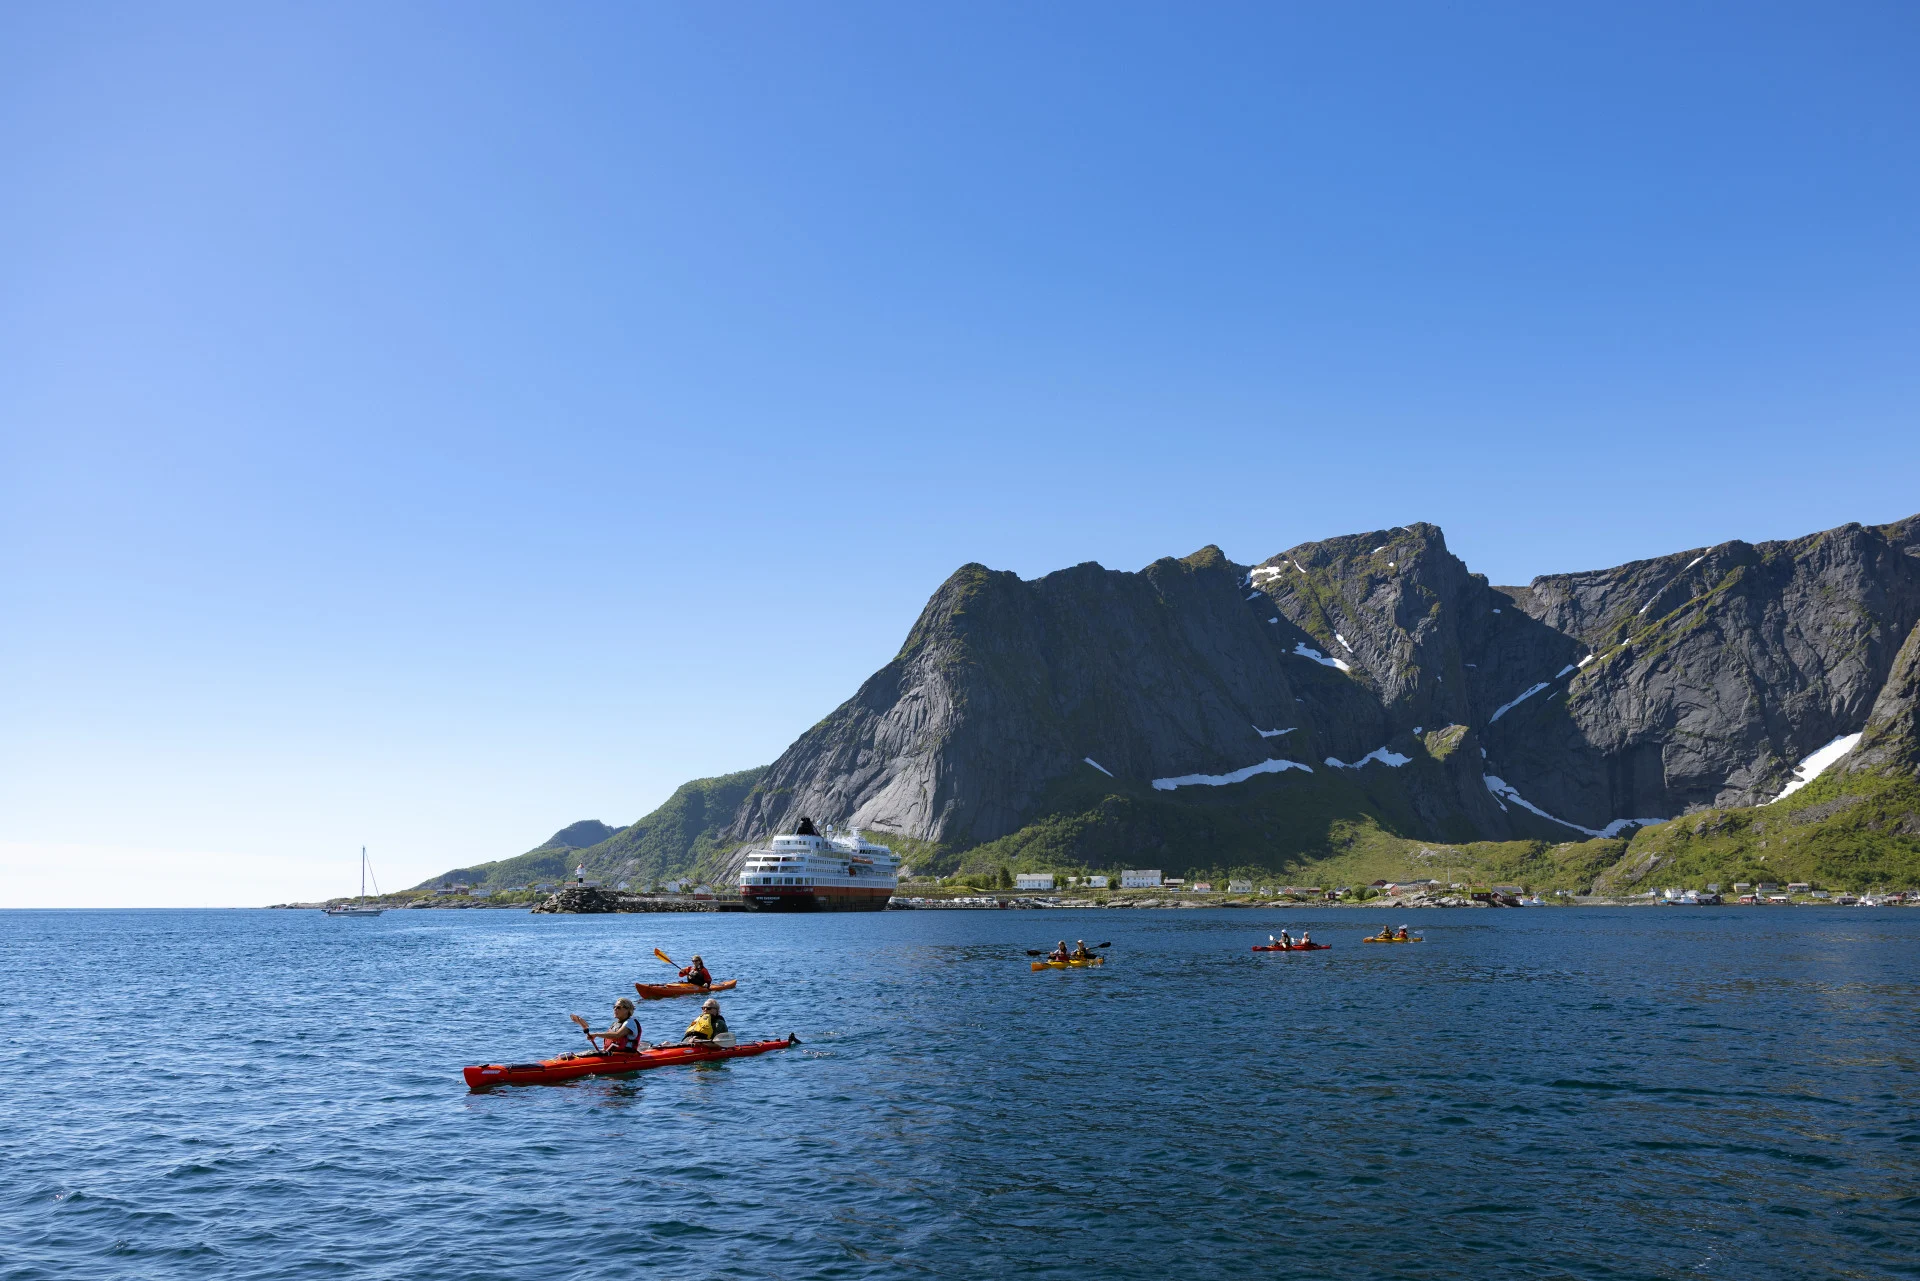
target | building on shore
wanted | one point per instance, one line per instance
(1137, 879)
(1033, 881)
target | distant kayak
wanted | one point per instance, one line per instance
(1068, 965)
(552, 1071)
(1415, 939)
(1293, 947)
(660, 991)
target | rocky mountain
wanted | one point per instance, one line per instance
(1201, 713)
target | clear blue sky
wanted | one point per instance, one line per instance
(424, 426)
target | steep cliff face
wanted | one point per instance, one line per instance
(1005, 686)
(1890, 743)
(1572, 706)
(1713, 671)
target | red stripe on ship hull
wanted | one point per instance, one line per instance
(815, 898)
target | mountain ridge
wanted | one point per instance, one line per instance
(1207, 713)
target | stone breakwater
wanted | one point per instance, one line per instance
(588, 900)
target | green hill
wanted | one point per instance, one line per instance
(681, 838)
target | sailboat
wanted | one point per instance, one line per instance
(359, 908)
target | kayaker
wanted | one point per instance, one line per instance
(1080, 952)
(1285, 940)
(708, 1026)
(1060, 953)
(696, 973)
(1400, 935)
(623, 1037)
(1306, 940)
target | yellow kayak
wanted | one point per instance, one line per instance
(1064, 965)
(1415, 939)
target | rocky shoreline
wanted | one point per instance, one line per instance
(586, 900)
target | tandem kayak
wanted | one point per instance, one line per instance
(660, 991)
(1415, 939)
(553, 1071)
(1068, 965)
(1295, 947)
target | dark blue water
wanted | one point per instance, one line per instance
(1553, 1093)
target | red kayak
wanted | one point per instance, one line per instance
(553, 1071)
(1295, 947)
(661, 991)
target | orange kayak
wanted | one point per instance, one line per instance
(551, 1071)
(660, 991)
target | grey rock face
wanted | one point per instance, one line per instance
(1714, 671)
(1005, 685)
(1694, 679)
(1891, 740)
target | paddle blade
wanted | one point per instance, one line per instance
(663, 956)
(1109, 943)
(1031, 952)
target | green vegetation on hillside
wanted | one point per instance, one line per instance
(1842, 831)
(680, 839)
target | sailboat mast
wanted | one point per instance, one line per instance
(363, 871)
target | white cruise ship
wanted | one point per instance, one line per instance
(808, 872)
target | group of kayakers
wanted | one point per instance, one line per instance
(1287, 940)
(1391, 936)
(623, 1037)
(1079, 952)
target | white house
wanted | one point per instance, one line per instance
(1097, 882)
(1136, 879)
(1239, 887)
(1033, 881)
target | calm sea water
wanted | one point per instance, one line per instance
(1551, 1093)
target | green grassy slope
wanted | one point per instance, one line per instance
(1842, 831)
(681, 838)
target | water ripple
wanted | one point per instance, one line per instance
(1564, 1093)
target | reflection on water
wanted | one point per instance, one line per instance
(1566, 1092)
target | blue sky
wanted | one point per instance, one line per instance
(423, 426)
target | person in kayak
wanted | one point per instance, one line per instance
(1306, 940)
(1060, 953)
(623, 1037)
(1400, 935)
(1080, 952)
(709, 1026)
(1285, 939)
(696, 973)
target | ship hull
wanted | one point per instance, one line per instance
(815, 898)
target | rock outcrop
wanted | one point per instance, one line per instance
(589, 900)
(1890, 743)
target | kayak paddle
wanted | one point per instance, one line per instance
(668, 959)
(1031, 952)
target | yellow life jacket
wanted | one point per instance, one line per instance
(707, 1026)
